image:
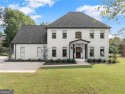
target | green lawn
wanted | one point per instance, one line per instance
(98, 79)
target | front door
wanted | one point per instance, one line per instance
(78, 52)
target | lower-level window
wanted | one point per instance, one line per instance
(91, 51)
(53, 51)
(39, 52)
(102, 51)
(22, 52)
(64, 52)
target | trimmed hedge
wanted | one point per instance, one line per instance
(67, 61)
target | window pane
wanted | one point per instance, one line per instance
(64, 35)
(91, 51)
(54, 52)
(39, 52)
(101, 35)
(39, 49)
(54, 35)
(78, 34)
(64, 52)
(22, 51)
(102, 51)
(91, 35)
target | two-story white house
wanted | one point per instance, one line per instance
(73, 36)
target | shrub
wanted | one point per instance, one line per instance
(100, 60)
(114, 61)
(51, 61)
(73, 60)
(104, 61)
(68, 60)
(94, 60)
(58, 61)
(90, 60)
(109, 61)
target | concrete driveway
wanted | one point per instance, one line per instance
(21, 67)
(2, 58)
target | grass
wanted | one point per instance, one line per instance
(98, 79)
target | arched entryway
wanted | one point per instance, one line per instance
(78, 49)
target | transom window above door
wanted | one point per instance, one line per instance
(78, 35)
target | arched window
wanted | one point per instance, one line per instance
(78, 35)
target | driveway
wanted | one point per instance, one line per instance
(23, 67)
(2, 58)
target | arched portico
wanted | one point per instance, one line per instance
(78, 49)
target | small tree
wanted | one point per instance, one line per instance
(44, 51)
(115, 52)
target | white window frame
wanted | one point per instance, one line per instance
(64, 31)
(54, 48)
(22, 53)
(76, 35)
(64, 48)
(54, 32)
(100, 51)
(93, 51)
(39, 52)
(102, 31)
(91, 32)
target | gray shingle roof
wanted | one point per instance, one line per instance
(77, 20)
(31, 34)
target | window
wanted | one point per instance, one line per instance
(92, 34)
(78, 35)
(102, 34)
(53, 51)
(64, 52)
(64, 34)
(53, 34)
(22, 52)
(91, 51)
(102, 52)
(39, 52)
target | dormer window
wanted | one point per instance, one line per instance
(78, 35)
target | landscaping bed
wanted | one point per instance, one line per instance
(59, 61)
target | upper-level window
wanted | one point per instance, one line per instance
(102, 34)
(102, 51)
(91, 51)
(78, 35)
(91, 34)
(64, 34)
(53, 34)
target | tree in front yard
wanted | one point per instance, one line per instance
(14, 19)
(44, 51)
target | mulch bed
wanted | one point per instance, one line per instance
(60, 63)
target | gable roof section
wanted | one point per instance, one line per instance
(31, 34)
(77, 20)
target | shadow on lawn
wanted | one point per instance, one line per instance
(66, 67)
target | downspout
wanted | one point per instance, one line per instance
(15, 52)
(69, 50)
